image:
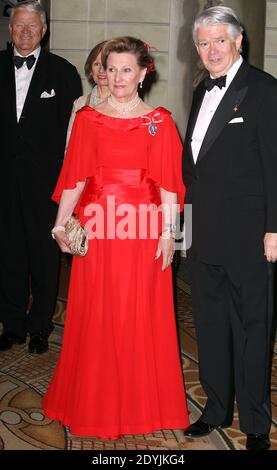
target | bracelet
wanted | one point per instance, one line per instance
(57, 228)
(167, 235)
(168, 232)
(170, 227)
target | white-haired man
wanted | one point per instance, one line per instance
(37, 90)
(230, 169)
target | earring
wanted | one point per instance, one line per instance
(140, 84)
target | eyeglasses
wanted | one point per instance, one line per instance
(205, 45)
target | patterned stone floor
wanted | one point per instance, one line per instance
(231, 437)
(24, 379)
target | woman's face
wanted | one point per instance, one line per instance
(98, 73)
(124, 75)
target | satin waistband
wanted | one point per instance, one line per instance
(130, 177)
(131, 186)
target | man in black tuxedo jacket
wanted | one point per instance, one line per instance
(37, 90)
(230, 168)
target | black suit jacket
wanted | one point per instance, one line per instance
(32, 149)
(233, 185)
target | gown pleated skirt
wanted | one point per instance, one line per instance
(119, 370)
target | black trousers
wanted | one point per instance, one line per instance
(233, 318)
(29, 259)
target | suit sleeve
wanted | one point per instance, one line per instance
(71, 89)
(165, 160)
(268, 149)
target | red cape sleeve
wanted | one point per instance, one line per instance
(80, 158)
(165, 159)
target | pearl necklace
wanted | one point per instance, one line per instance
(124, 108)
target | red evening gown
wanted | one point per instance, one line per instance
(119, 370)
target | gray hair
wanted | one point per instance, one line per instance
(219, 15)
(32, 6)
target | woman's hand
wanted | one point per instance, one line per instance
(68, 201)
(166, 248)
(62, 241)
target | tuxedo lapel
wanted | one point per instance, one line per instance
(226, 109)
(195, 108)
(9, 85)
(222, 116)
(196, 105)
(38, 78)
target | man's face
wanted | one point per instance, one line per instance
(27, 30)
(217, 49)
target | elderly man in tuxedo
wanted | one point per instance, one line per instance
(37, 90)
(230, 168)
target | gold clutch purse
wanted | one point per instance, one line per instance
(77, 236)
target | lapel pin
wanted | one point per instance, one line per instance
(236, 105)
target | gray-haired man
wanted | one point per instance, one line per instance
(230, 169)
(37, 90)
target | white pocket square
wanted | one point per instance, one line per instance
(45, 94)
(236, 120)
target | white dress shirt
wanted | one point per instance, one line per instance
(209, 106)
(23, 77)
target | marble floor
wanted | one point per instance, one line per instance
(24, 379)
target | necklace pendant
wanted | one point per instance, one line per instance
(152, 129)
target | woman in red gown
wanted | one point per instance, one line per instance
(119, 370)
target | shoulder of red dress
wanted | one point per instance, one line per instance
(85, 110)
(87, 114)
(160, 113)
(163, 111)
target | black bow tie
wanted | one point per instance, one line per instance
(211, 82)
(19, 61)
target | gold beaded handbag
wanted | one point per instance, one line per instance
(77, 236)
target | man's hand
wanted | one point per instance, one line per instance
(270, 247)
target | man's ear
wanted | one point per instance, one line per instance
(238, 41)
(44, 30)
